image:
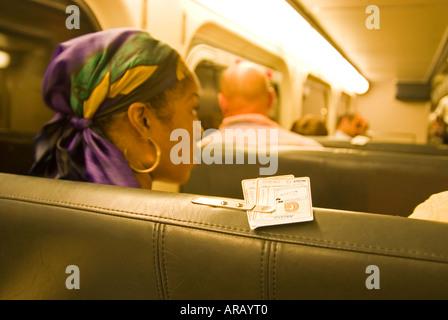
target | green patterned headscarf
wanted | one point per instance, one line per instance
(95, 76)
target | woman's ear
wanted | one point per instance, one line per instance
(140, 118)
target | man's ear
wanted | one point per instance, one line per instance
(272, 95)
(222, 102)
(139, 118)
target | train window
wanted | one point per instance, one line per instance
(439, 86)
(344, 104)
(29, 31)
(315, 97)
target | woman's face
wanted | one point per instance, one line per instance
(184, 112)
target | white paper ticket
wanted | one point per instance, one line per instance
(291, 196)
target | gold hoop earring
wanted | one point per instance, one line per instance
(156, 163)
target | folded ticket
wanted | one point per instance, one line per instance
(290, 196)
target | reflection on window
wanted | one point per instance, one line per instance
(344, 104)
(210, 113)
(315, 97)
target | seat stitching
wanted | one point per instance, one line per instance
(163, 262)
(274, 270)
(154, 253)
(261, 269)
(267, 271)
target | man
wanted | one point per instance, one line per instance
(245, 99)
(350, 125)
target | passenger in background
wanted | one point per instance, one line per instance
(351, 125)
(438, 126)
(437, 131)
(245, 99)
(310, 125)
(118, 94)
(435, 208)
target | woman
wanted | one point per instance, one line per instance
(118, 94)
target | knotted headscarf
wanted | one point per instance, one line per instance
(94, 76)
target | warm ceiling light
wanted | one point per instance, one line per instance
(278, 23)
(5, 59)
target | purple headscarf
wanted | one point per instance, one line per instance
(90, 77)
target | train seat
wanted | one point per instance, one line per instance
(75, 240)
(348, 179)
(413, 148)
(17, 152)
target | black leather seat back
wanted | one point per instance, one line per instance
(138, 244)
(412, 148)
(17, 152)
(367, 181)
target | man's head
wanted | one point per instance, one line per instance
(352, 124)
(245, 88)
